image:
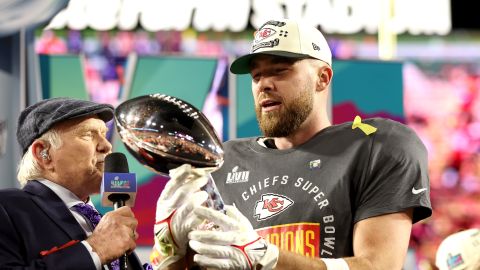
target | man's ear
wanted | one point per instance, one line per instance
(40, 151)
(325, 75)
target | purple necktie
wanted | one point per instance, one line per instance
(94, 217)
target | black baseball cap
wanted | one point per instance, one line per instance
(38, 118)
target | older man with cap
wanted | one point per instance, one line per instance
(51, 223)
(308, 194)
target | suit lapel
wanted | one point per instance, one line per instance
(55, 208)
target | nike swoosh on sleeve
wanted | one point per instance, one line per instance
(418, 191)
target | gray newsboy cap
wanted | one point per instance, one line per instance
(38, 118)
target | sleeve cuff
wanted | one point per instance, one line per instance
(95, 258)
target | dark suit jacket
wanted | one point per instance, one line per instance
(35, 219)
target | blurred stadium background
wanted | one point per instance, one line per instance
(414, 62)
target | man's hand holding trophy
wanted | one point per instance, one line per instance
(173, 138)
(174, 217)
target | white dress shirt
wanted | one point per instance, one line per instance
(70, 200)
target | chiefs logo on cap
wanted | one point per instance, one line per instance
(271, 205)
(264, 33)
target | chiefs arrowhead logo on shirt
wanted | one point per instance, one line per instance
(271, 205)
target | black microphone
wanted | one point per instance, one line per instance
(119, 187)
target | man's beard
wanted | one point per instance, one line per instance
(286, 120)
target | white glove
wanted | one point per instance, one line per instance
(234, 246)
(174, 217)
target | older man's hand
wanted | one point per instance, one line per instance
(114, 235)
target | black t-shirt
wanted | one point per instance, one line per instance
(306, 199)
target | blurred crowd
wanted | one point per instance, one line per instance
(442, 104)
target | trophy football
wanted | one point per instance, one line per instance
(164, 132)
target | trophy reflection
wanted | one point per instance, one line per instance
(164, 132)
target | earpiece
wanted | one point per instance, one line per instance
(44, 154)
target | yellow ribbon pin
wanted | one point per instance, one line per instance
(366, 128)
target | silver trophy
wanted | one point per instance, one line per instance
(164, 132)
